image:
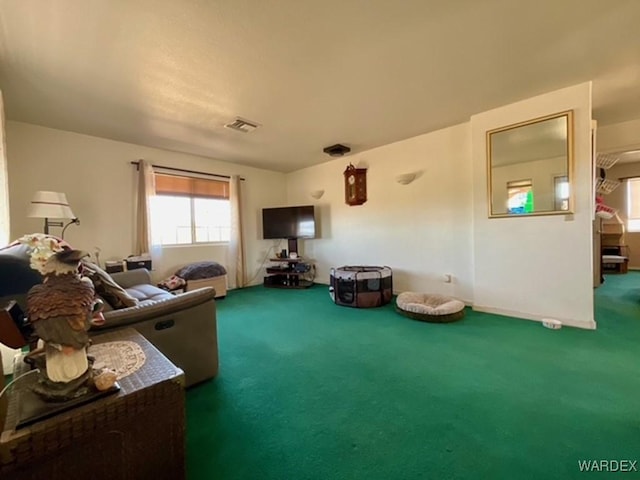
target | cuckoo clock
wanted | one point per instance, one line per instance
(355, 185)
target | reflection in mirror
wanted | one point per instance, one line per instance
(529, 167)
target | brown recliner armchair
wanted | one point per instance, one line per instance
(183, 327)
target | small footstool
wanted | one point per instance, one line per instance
(429, 307)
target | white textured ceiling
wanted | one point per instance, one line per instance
(170, 74)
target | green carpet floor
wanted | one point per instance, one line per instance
(311, 390)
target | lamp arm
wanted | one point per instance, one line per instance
(73, 220)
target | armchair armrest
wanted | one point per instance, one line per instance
(165, 306)
(130, 278)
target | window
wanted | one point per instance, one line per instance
(561, 196)
(633, 205)
(188, 210)
(520, 196)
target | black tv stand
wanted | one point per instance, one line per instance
(287, 274)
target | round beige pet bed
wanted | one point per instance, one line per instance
(429, 307)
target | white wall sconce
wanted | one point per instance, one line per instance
(52, 205)
(317, 194)
(405, 178)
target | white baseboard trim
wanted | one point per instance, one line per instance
(591, 325)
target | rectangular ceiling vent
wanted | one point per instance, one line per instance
(242, 125)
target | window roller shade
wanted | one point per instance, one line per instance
(191, 186)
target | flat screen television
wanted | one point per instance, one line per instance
(289, 222)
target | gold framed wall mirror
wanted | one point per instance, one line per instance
(529, 167)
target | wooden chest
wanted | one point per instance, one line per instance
(138, 432)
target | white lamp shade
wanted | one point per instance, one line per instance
(50, 205)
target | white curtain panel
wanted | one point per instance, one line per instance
(6, 354)
(235, 265)
(146, 192)
(4, 182)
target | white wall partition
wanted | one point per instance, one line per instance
(99, 181)
(422, 230)
(536, 267)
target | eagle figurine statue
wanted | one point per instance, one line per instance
(60, 311)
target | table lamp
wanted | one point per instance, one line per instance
(52, 205)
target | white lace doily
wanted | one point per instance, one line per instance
(123, 357)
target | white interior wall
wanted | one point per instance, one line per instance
(422, 230)
(99, 181)
(619, 136)
(541, 266)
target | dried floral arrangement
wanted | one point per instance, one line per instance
(41, 248)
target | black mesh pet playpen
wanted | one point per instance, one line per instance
(361, 286)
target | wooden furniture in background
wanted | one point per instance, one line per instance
(612, 234)
(11, 337)
(614, 251)
(138, 432)
(10, 334)
(614, 259)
